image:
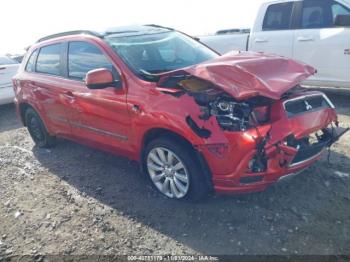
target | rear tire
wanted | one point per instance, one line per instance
(37, 129)
(174, 171)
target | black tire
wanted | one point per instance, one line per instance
(37, 129)
(198, 186)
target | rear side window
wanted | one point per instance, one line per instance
(316, 14)
(278, 17)
(30, 67)
(83, 57)
(48, 61)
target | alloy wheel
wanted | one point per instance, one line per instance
(168, 172)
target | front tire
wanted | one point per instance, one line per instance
(174, 171)
(37, 129)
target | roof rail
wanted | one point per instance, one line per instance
(76, 32)
(159, 26)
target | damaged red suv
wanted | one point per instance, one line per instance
(196, 121)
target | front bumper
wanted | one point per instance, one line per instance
(255, 182)
(232, 170)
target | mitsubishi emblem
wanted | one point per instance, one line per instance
(307, 105)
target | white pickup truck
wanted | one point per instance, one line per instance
(316, 32)
(8, 69)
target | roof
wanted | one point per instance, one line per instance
(136, 30)
(114, 31)
(346, 2)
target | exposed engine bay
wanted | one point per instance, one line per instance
(231, 115)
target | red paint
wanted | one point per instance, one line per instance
(248, 74)
(66, 106)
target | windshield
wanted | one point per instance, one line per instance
(161, 52)
(4, 60)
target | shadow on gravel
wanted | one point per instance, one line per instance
(297, 215)
(8, 118)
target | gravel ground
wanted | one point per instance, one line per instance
(76, 200)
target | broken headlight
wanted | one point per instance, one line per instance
(231, 115)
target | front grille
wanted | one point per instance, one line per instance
(304, 104)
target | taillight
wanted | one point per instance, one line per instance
(16, 83)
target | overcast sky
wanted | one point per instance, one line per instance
(22, 22)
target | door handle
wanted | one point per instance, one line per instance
(261, 40)
(305, 38)
(69, 94)
(2, 68)
(136, 109)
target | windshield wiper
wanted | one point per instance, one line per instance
(149, 76)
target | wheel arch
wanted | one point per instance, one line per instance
(155, 133)
(22, 111)
(23, 106)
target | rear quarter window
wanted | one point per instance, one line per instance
(48, 61)
(278, 17)
(30, 67)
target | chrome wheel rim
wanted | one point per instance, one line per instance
(168, 173)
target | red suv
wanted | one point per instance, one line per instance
(196, 121)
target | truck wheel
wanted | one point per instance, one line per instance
(37, 129)
(173, 170)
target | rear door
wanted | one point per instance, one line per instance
(274, 33)
(50, 95)
(320, 43)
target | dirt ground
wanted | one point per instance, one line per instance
(76, 200)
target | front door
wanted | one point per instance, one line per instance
(101, 116)
(321, 44)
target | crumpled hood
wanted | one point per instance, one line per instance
(248, 74)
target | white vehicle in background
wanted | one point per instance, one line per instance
(316, 32)
(8, 68)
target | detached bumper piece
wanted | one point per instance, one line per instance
(308, 149)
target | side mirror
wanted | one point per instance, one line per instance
(342, 20)
(100, 78)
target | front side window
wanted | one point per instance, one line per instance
(316, 14)
(30, 67)
(48, 61)
(83, 57)
(278, 17)
(155, 53)
(338, 9)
